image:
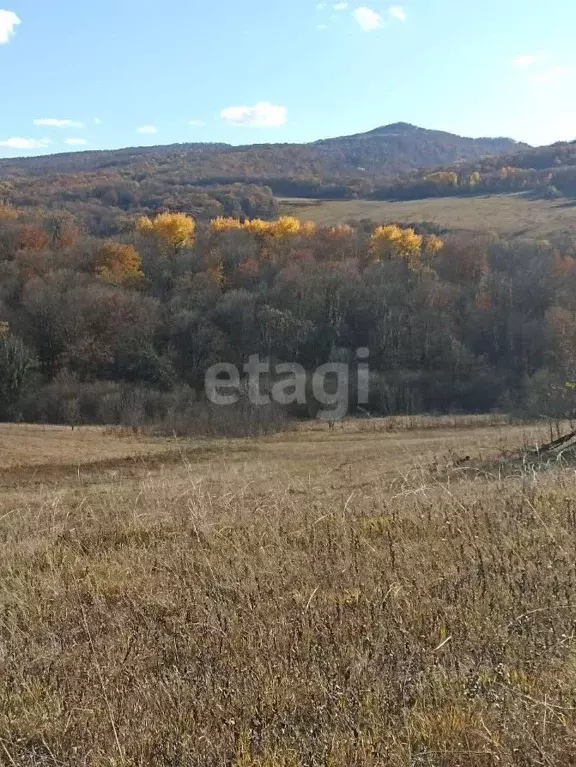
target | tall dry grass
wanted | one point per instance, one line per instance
(515, 215)
(260, 618)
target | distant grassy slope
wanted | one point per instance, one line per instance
(508, 215)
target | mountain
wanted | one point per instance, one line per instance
(386, 150)
(401, 147)
(214, 179)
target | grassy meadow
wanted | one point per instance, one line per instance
(509, 215)
(337, 597)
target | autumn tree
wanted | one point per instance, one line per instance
(474, 180)
(62, 230)
(33, 237)
(463, 259)
(335, 243)
(432, 245)
(393, 242)
(224, 224)
(308, 228)
(257, 226)
(174, 231)
(285, 226)
(443, 180)
(8, 213)
(119, 264)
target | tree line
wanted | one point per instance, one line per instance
(104, 329)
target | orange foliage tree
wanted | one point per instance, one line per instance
(32, 237)
(119, 264)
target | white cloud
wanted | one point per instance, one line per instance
(147, 129)
(97, 121)
(549, 76)
(261, 115)
(52, 122)
(368, 19)
(322, 27)
(398, 13)
(340, 6)
(540, 75)
(522, 62)
(25, 143)
(8, 23)
(76, 141)
(321, 6)
(196, 123)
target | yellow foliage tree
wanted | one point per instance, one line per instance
(257, 226)
(433, 244)
(285, 226)
(119, 264)
(443, 178)
(393, 242)
(173, 230)
(474, 180)
(224, 224)
(308, 229)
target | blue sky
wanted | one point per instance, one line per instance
(112, 73)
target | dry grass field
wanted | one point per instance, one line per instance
(321, 597)
(505, 214)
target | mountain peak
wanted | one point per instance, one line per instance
(397, 128)
(394, 129)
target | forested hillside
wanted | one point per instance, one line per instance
(124, 328)
(125, 275)
(386, 150)
(550, 171)
(206, 180)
